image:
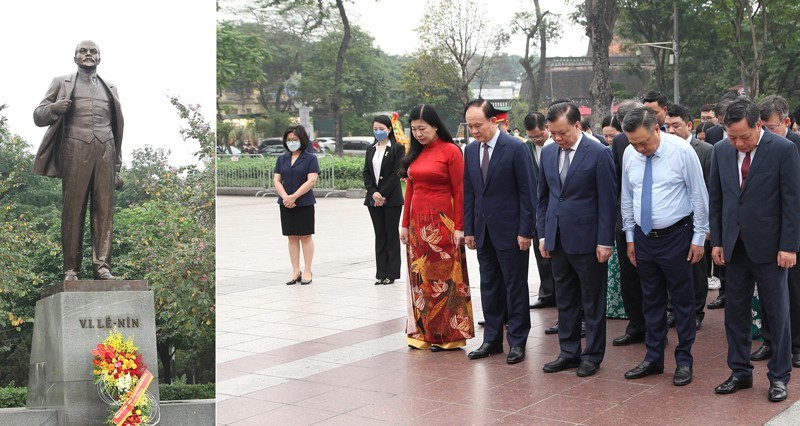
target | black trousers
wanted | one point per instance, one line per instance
(386, 222)
(794, 312)
(662, 266)
(773, 291)
(581, 282)
(631, 289)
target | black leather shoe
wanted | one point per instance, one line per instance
(387, 281)
(644, 369)
(553, 329)
(762, 353)
(683, 375)
(308, 281)
(481, 323)
(777, 391)
(295, 279)
(733, 384)
(796, 360)
(540, 304)
(670, 319)
(587, 368)
(560, 364)
(379, 282)
(515, 354)
(485, 350)
(627, 339)
(717, 304)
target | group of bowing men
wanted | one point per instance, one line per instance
(666, 199)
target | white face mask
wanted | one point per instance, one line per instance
(293, 145)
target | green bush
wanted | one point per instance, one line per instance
(180, 391)
(11, 396)
(247, 172)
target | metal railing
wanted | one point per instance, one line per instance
(254, 171)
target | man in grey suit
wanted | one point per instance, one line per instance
(679, 123)
(82, 147)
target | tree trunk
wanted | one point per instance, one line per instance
(336, 103)
(166, 361)
(540, 71)
(601, 15)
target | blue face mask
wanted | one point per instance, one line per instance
(293, 145)
(380, 134)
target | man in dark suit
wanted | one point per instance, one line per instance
(538, 136)
(679, 123)
(658, 103)
(630, 286)
(82, 146)
(774, 111)
(575, 218)
(755, 232)
(665, 217)
(498, 221)
(714, 135)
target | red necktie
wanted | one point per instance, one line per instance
(745, 167)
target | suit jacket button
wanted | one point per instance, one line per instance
(380, 178)
(561, 199)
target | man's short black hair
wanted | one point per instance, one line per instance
(564, 108)
(681, 111)
(742, 108)
(534, 120)
(655, 96)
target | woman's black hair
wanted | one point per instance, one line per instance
(386, 121)
(613, 121)
(301, 134)
(427, 114)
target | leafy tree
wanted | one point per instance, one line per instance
(455, 29)
(428, 79)
(538, 27)
(240, 60)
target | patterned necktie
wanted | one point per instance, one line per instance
(647, 196)
(745, 167)
(485, 161)
(565, 167)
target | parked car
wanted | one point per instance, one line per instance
(327, 144)
(273, 150)
(356, 145)
(269, 142)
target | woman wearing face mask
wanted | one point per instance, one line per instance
(439, 301)
(296, 173)
(384, 198)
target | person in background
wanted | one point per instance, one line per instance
(700, 131)
(611, 128)
(384, 198)
(439, 302)
(296, 172)
(707, 114)
(586, 125)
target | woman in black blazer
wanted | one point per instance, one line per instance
(384, 198)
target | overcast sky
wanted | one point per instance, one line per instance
(392, 22)
(149, 48)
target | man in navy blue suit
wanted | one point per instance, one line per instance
(498, 221)
(575, 217)
(755, 231)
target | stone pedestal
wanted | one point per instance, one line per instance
(71, 319)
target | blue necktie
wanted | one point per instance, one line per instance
(647, 196)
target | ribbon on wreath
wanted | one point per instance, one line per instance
(137, 393)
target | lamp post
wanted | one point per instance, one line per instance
(673, 47)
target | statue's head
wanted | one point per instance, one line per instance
(87, 55)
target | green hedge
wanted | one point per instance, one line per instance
(177, 391)
(12, 396)
(242, 174)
